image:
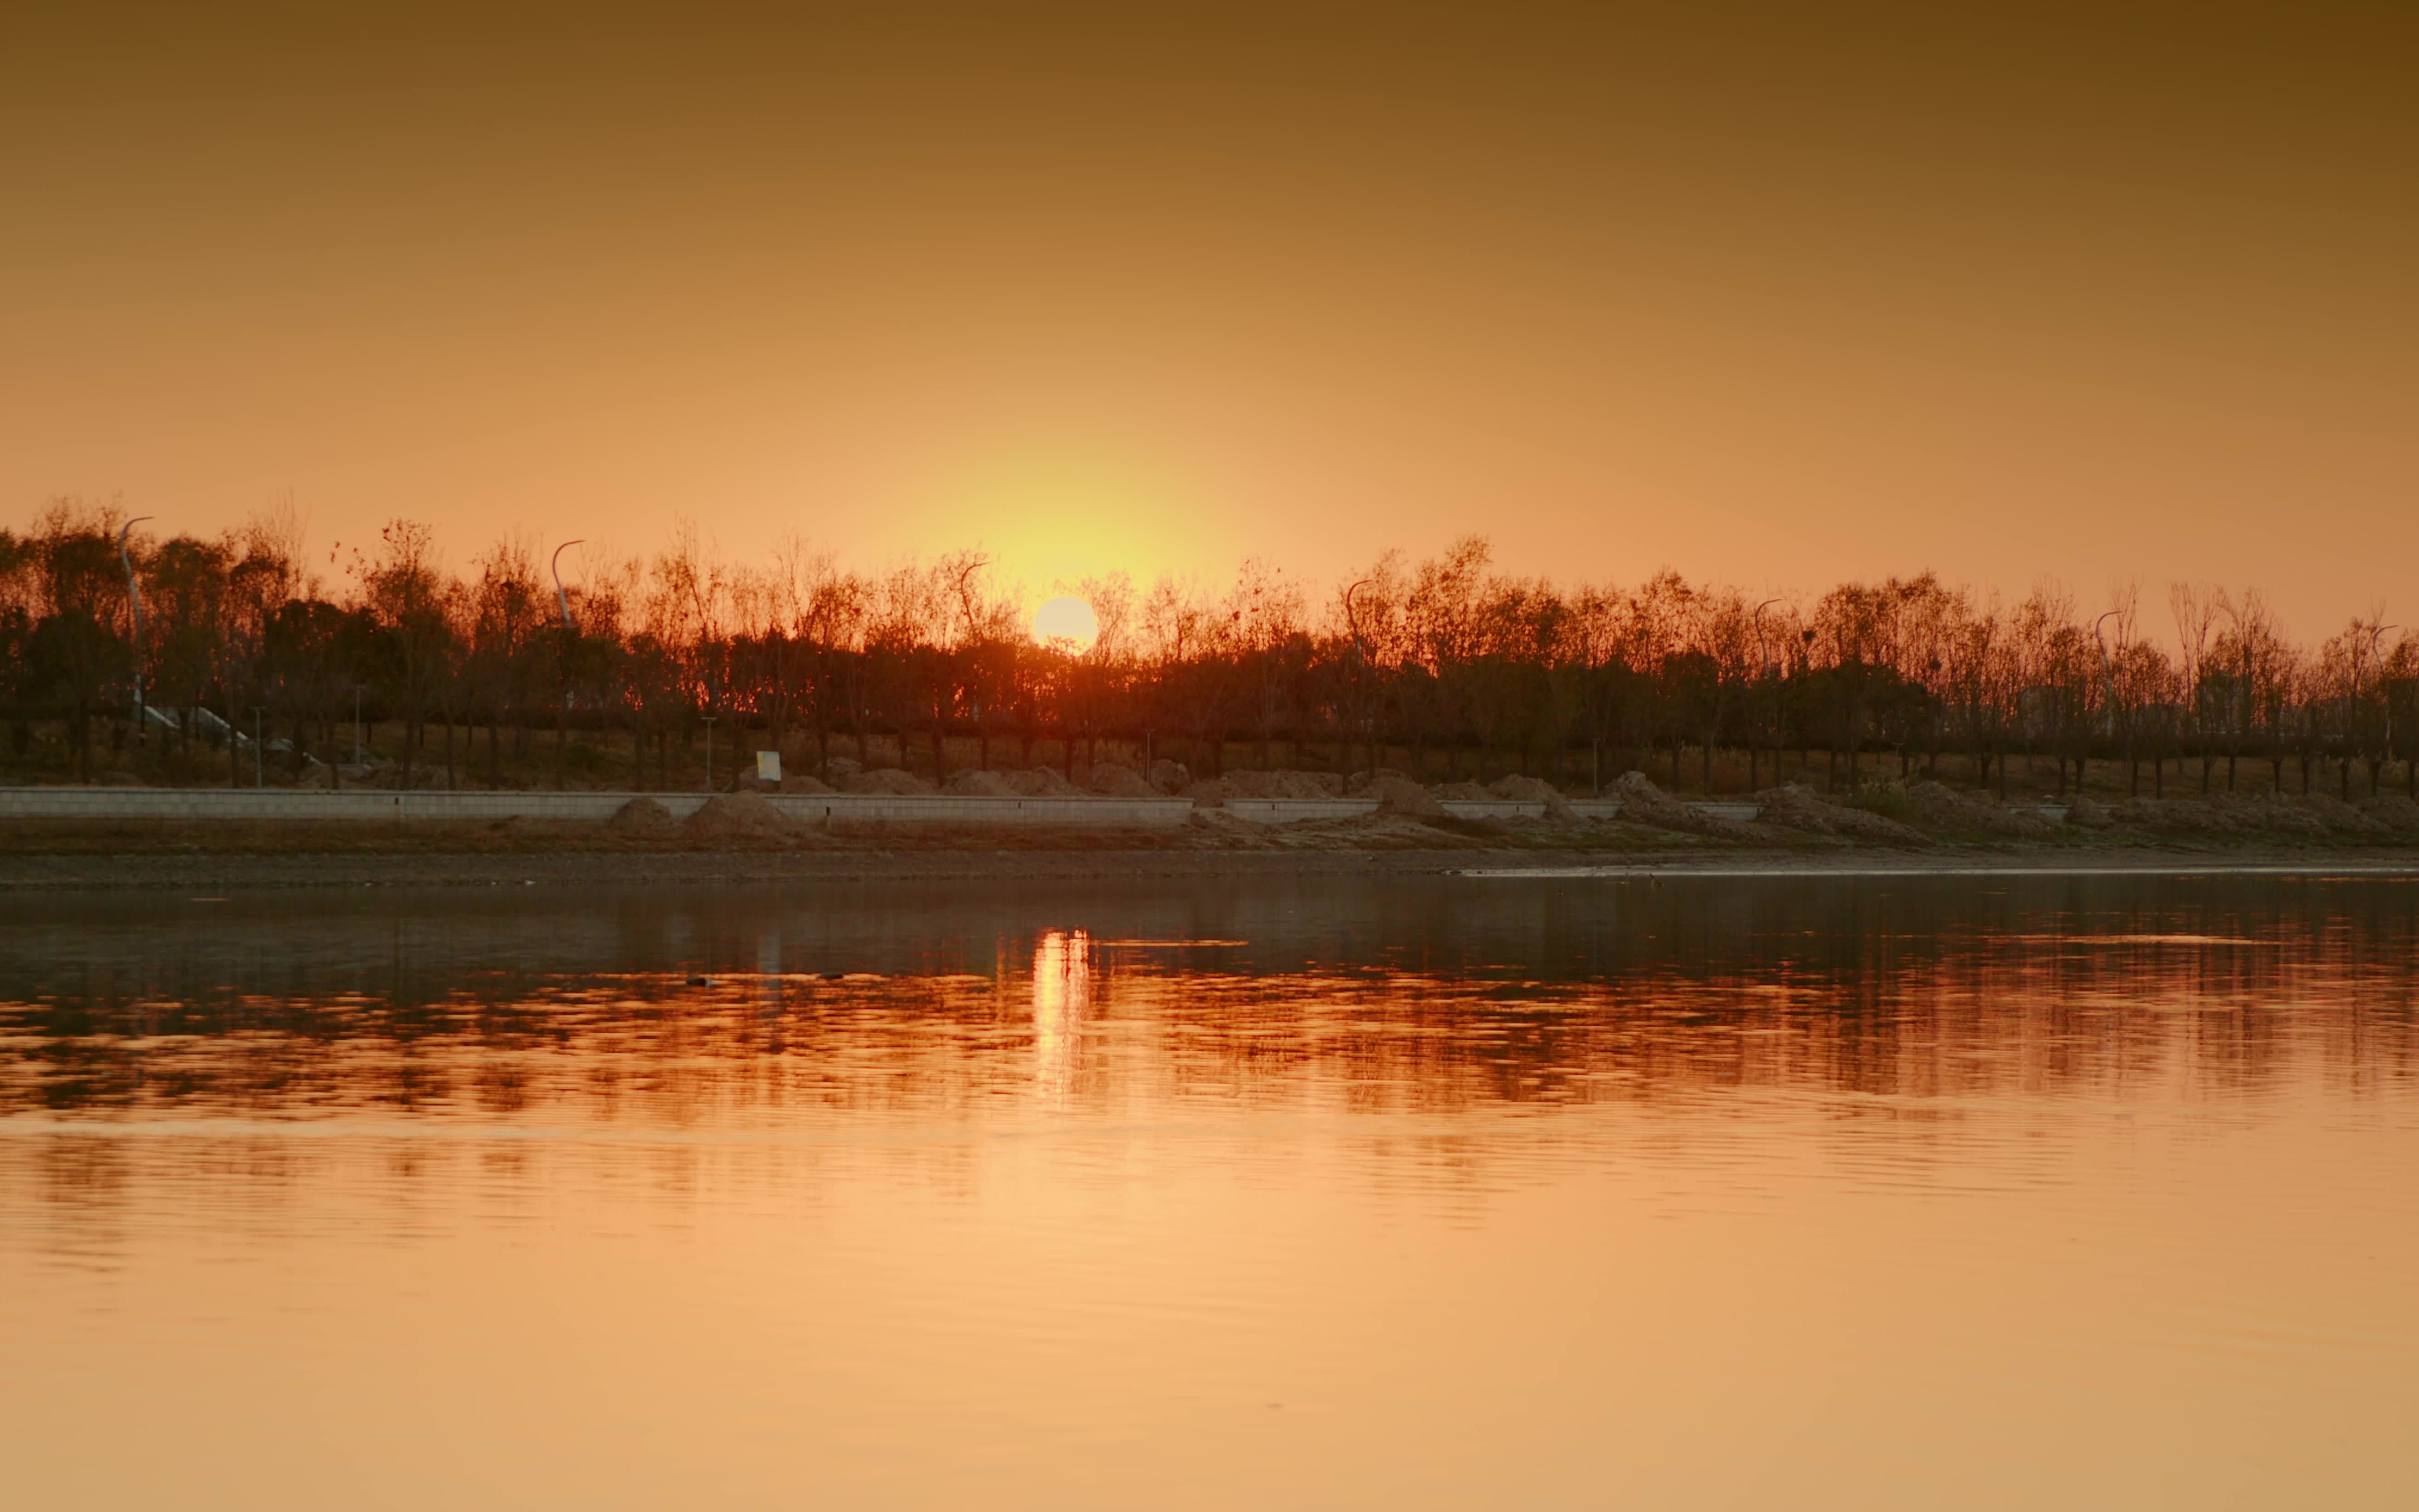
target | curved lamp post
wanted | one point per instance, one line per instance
(561, 599)
(562, 661)
(2108, 686)
(2387, 702)
(1764, 671)
(1352, 622)
(134, 604)
(2107, 672)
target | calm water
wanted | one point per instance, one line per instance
(1449, 1192)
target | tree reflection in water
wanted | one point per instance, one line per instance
(1430, 995)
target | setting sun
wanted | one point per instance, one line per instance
(1065, 624)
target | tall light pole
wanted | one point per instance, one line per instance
(1763, 673)
(2108, 684)
(561, 599)
(562, 659)
(2388, 702)
(1352, 622)
(134, 608)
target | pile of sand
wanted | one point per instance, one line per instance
(888, 780)
(972, 784)
(1536, 789)
(2088, 813)
(739, 816)
(2272, 813)
(641, 816)
(2175, 816)
(1283, 785)
(2312, 818)
(1039, 782)
(1170, 777)
(1946, 809)
(1398, 794)
(804, 784)
(2395, 811)
(2344, 818)
(1644, 803)
(1119, 782)
(1794, 805)
(1462, 790)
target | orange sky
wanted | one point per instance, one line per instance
(1773, 296)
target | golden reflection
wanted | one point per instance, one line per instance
(1483, 1204)
(1062, 996)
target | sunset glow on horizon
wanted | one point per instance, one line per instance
(1068, 624)
(1203, 757)
(1782, 305)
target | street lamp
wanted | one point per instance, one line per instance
(134, 608)
(1763, 672)
(709, 750)
(561, 599)
(1360, 658)
(2388, 702)
(2108, 681)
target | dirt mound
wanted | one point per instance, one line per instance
(1039, 782)
(1946, 809)
(2395, 811)
(802, 783)
(1119, 782)
(641, 816)
(1210, 794)
(1282, 784)
(1794, 805)
(1357, 784)
(739, 816)
(2267, 814)
(1462, 790)
(887, 779)
(972, 784)
(2315, 816)
(2343, 818)
(1644, 803)
(1536, 790)
(2177, 816)
(838, 770)
(2088, 813)
(1398, 794)
(1170, 777)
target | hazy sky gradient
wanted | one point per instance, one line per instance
(1777, 297)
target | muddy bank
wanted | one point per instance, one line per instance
(739, 836)
(207, 874)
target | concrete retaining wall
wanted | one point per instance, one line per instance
(1292, 811)
(842, 808)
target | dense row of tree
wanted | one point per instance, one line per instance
(1444, 664)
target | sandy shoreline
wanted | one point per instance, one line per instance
(20, 872)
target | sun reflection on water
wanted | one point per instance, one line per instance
(1062, 996)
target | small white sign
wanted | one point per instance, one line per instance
(768, 767)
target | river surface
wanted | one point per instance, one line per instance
(1440, 1191)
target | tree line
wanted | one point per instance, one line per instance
(181, 649)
